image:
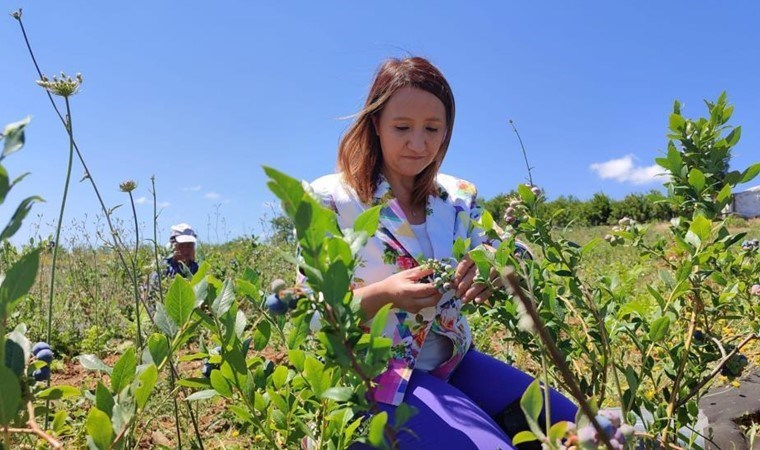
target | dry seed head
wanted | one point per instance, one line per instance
(16, 14)
(127, 186)
(64, 86)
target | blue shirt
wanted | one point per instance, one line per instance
(174, 267)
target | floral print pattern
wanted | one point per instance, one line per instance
(451, 214)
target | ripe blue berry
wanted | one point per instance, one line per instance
(276, 306)
(606, 425)
(42, 374)
(45, 355)
(40, 346)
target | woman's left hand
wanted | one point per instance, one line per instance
(464, 281)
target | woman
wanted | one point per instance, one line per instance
(390, 156)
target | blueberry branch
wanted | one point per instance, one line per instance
(511, 279)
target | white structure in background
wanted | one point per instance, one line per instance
(746, 203)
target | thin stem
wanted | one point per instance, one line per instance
(525, 154)
(134, 273)
(161, 298)
(58, 227)
(155, 239)
(514, 283)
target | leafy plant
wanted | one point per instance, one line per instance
(703, 290)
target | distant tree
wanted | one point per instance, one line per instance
(598, 209)
(282, 230)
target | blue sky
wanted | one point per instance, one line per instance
(201, 95)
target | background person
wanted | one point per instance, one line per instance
(390, 156)
(182, 239)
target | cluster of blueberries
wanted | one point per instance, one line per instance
(443, 274)
(616, 431)
(281, 299)
(752, 244)
(42, 352)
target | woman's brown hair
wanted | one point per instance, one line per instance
(360, 157)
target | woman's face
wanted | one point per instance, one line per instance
(411, 127)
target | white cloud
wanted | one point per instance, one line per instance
(211, 195)
(163, 204)
(141, 200)
(192, 188)
(624, 170)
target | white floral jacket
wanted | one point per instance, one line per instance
(450, 214)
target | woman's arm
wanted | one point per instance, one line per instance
(403, 290)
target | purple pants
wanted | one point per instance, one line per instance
(458, 414)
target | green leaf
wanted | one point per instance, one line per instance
(368, 220)
(659, 328)
(378, 322)
(92, 362)
(13, 136)
(527, 196)
(287, 189)
(261, 335)
(164, 323)
(180, 301)
(725, 194)
(298, 332)
(59, 392)
(524, 436)
(220, 384)
(734, 136)
(558, 430)
(10, 401)
(280, 376)
(123, 371)
(18, 217)
(376, 428)
(314, 372)
(18, 280)
(14, 357)
(486, 222)
(158, 346)
(701, 226)
(202, 395)
(59, 422)
(224, 300)
(339, 394)
(103, 399)
(676, 123)
(145, 382)
(697, 179)
(750, 173)
(195, 383)
(532, 401)
(99, 428)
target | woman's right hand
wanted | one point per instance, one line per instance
(402, 289)
(408, 293)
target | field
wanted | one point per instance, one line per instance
(94, 314)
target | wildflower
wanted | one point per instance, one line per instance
(64, 86)
(127, 186)
(755, 290)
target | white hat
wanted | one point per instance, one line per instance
(182, 233)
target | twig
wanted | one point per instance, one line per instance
(525, 154)
(35, 429)
(716, 370)
(514, 283)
